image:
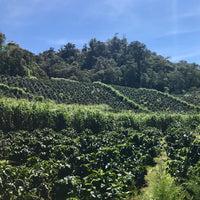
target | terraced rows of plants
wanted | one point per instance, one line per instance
(155, 100)
(14, 92)
(192, 97)
(65, 91)
(118, 97)
(59, 152)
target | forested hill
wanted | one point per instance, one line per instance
(113, 62)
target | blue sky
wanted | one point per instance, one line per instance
(167, 27)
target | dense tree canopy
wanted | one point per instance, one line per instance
(114, 62)
(17, 61)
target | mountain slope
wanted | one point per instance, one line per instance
(192, 97)
(74, 92)
(155, 100)
(71, 92)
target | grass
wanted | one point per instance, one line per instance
(29, 115)
(160, 184)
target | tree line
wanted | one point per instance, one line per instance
(112, 62)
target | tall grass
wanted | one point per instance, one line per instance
(160, 184)
(30, 115)
(26, 115)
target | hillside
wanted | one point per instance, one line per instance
(74, 92)
(113, 62)
(192, 97)
(57, 151)
(69, 92)
(155, 100)
(15, 61)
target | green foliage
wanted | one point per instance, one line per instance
(15, 61)
(183, 147)
(192, 96)
(14, 92)
(112, 62)
(67, 91)
(58, 151)
(52, 151)
(160, 185)
(121, 63)
(156, 101)
(2, 40)
(123, 98)
(67, 164)
(192, 185)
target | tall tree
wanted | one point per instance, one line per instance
(138, 51)
(69, 53)
(96, 49)
(2, 40)
(118, 49)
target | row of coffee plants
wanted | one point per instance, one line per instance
(44, 164)
(18, 93)
(183, 149)
(121, 96)
(181, 144)
(66, 91)
(13, 92)
(192, 97)
(118, 97)
(157, 101)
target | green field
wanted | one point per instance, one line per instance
(59, 151)
(66, 91)
(157, 101)
(74, 92)
(192, 97)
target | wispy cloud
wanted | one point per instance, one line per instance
(119, 6)
(191, 9)
(112, 9)
(185, 56)
(16, 12)
(194, 13)
(62, 41)
(180, 32)
(180, 52)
